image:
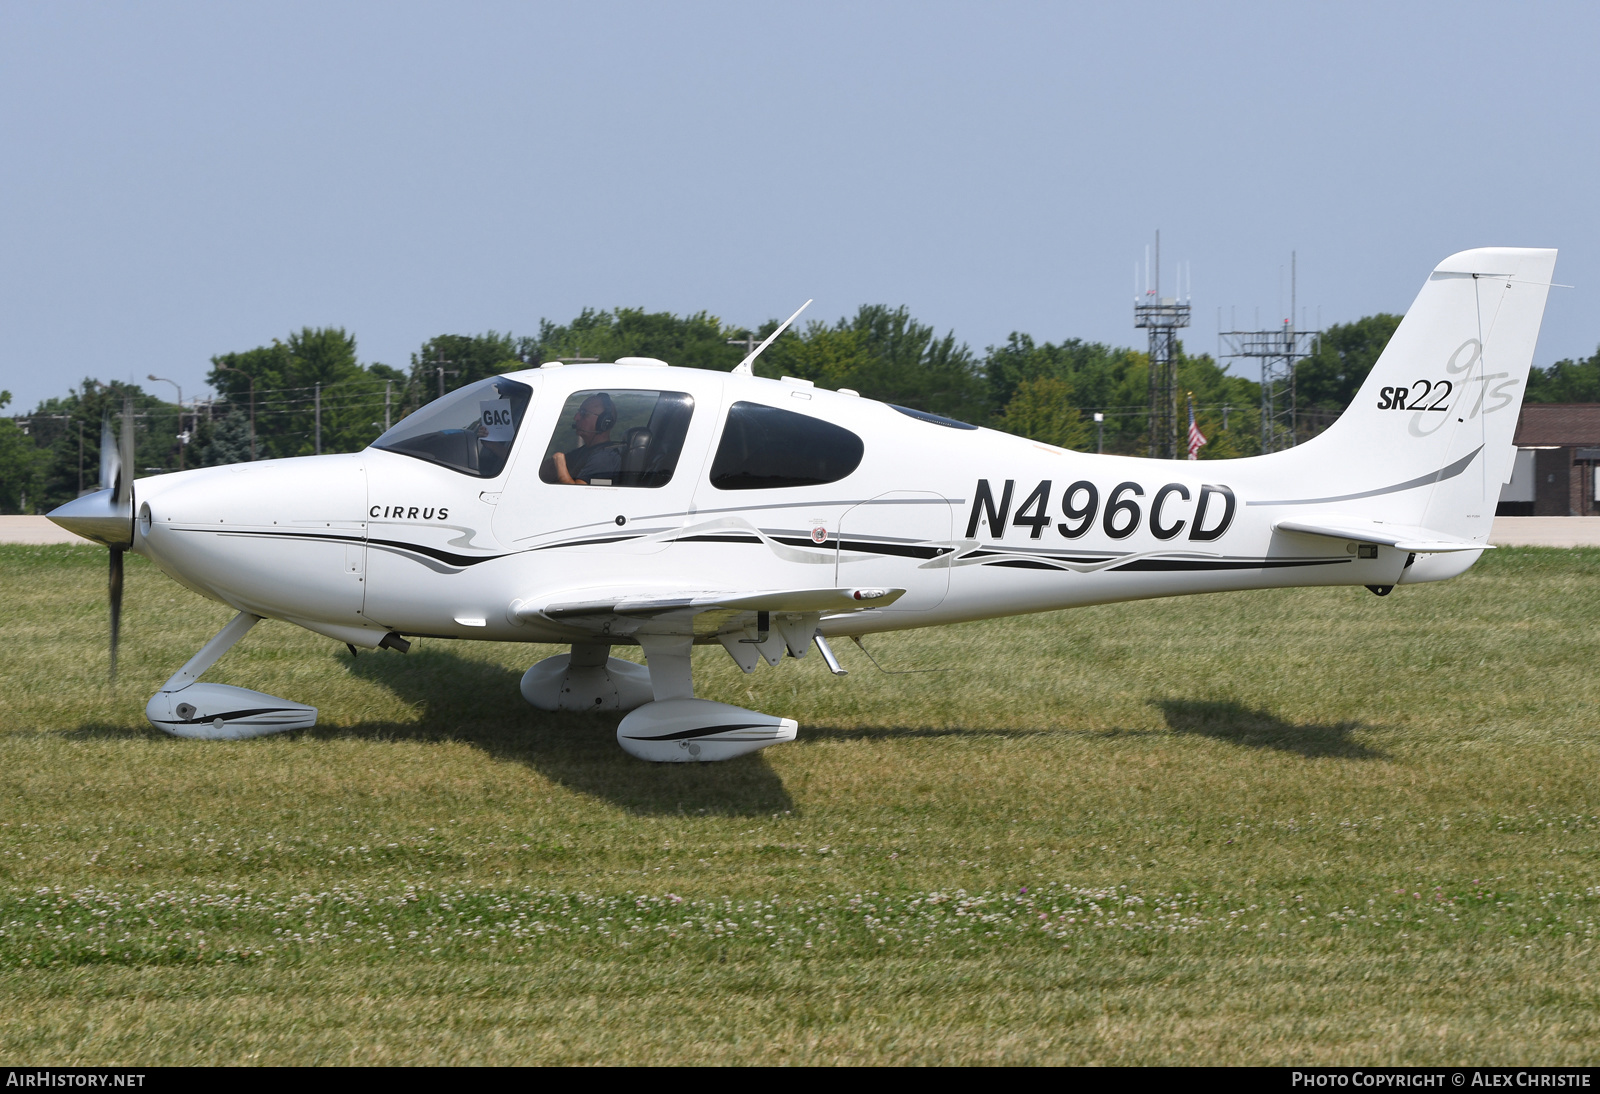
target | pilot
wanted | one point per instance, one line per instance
(595, 457)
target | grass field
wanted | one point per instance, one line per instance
(1303, 826)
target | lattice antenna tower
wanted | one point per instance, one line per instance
(1163, 317)
(1278, 350)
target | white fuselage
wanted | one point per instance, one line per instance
(970, 522)
(638, 503)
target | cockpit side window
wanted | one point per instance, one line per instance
(618, 437)
(764, 448)
(470, 430)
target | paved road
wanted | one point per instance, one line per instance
(1508, 531)
(1545, 532)
(35, 530)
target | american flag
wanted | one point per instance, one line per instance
(1196, 438)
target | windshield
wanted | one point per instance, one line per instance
(470, 430)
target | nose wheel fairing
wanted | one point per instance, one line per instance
(221, 712)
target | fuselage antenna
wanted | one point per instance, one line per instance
(743, 368)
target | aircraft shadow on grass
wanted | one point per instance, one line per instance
(892, 733)
(480, 704)
(1240, 725)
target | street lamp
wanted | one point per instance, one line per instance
(252, 379)
(183, 438)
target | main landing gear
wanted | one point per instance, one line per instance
(666, 723)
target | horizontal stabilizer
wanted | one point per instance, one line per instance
(1401, 536)
(636, 604)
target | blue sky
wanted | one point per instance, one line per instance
(181, 180)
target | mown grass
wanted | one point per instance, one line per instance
(1302, 826)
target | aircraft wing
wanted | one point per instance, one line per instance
(646, 604)
(1402, 536)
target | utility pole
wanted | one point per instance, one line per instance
(1099, 431)
(252, 379)
(318, 396)
(80, 458)
(388, 387)
(183, 438)
(439, 368)
(748, 342)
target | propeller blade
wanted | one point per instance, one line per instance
(110, 464)
(116, 606)
(125, 480)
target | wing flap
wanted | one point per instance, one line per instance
(640, 604)
(1401, 536)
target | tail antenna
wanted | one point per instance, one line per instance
(743, 368)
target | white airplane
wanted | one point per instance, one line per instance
(639, 504)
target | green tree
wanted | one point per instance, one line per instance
(885, 354)
(291, 378)
(67, 431)
(223, 440)
(1115, 381)
(449, 361)
(881, 352)
(1328, 380)
(20, 464)
(1042, 410)
(1566, 381)
(696, 341)
(1111, 381)
(1219, 397)
(1094, 369)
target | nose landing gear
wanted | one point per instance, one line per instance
(186, 708)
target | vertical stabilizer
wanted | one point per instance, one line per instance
(1427, 442)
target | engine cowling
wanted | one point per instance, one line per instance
(698, 730)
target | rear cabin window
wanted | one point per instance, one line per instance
(470, 430)
(618, 438)
(764, 448)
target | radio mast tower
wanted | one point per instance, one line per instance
(1278, 351)
(1162, 317)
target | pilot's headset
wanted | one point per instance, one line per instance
(608, 412)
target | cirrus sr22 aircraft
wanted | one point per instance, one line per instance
(639, 504)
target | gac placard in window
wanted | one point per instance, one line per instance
(470, 430)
